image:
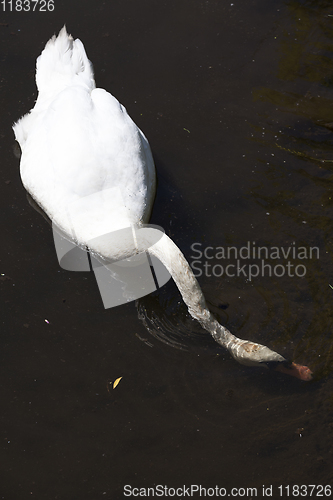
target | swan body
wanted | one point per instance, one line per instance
(90, 168)
(81, 151)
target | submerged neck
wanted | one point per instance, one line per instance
(244, 351)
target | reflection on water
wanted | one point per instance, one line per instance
(299, 136)
(165, 316)
(306, 43)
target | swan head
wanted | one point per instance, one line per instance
(252, 354)
(290, 368)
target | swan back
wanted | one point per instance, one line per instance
(84, 160)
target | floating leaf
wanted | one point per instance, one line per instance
(116, 382)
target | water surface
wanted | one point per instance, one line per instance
(236, 101)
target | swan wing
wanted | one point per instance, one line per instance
(84, 160)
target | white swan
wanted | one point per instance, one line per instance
(78, 141)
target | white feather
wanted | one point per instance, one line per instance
(90, 168)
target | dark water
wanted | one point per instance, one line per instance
(236, 99)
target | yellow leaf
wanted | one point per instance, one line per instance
(116, 382)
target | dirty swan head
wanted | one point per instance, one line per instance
(82, 154)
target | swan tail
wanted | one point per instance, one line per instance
(63, 62)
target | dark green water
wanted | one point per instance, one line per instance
(236, 99)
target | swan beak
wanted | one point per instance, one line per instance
(295, 370)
